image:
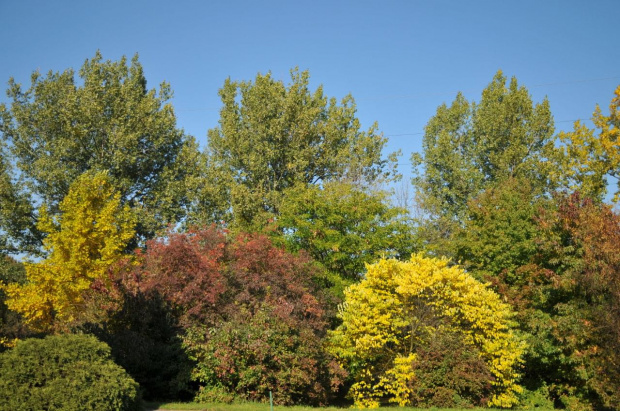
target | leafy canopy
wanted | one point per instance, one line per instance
(253, 316)
(273, 136)
(343, 228)
(400, 307)
(84, 240)
(501, 232)
(591, 157)
(470, 147)
(106, 120)
(570, 303)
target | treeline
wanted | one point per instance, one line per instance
(277, 260)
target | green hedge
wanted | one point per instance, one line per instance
(64, 372)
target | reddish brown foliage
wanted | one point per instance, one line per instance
(261, 273)
(253, 318)
(186, 269)
(569, 301)
(206, 276)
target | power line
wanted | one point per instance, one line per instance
(417, 95)
(422, 133)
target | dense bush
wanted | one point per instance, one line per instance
(253, 315)
(255, 353)
(11, 324)
(450, 374)
(391, 322)
(64, 372)
(145, 340)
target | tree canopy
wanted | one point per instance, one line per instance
(400, 307)
(343, 228)
(89, 236)
(470, 147)
(591, 157)
(285, 266)
(253, 316)
(273, 136)
(107, 120)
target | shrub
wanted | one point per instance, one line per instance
(143, 336)
(450, 374)
(255, 353)
(64, 372)
(253, 315)
(392, 319)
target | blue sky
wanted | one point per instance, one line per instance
(399, 59)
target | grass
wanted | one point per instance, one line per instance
(265, 407)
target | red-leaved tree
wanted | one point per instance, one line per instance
(252, 315)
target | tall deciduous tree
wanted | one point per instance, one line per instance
(273, 136)
(500, 234)
(470, 147)
(84, 240)
(591, 157)
(16, 212)
(569, 304)
(61, 127)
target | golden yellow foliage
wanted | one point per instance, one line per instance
(89, 235)
(589, 157)
(400, 306)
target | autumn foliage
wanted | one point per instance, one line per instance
(400, 308)
(83, 243)
(286, 267)
(573, 308)
(253, 317)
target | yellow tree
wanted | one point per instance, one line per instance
(401, 307)
(589, 157)
(87, 237)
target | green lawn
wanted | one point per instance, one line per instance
(265, 407)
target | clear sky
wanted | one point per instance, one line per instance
(399, 59)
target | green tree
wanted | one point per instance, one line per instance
(16, 212)
(61, 127)
(471, 147)
(569, 303)
(343, 228)
(500, 233)
(273, 136)
(11, 326)
(84, 240)
(400, 308)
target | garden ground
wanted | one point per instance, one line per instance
(175, 406)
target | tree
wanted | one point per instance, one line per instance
(252, 315)
(273, 136)
(343, 228)
(500, 232)
(107, 120)
(591, 158)
(84, 241)
(400, 308)
(471, 147)
(16, 213)
(569, 304)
